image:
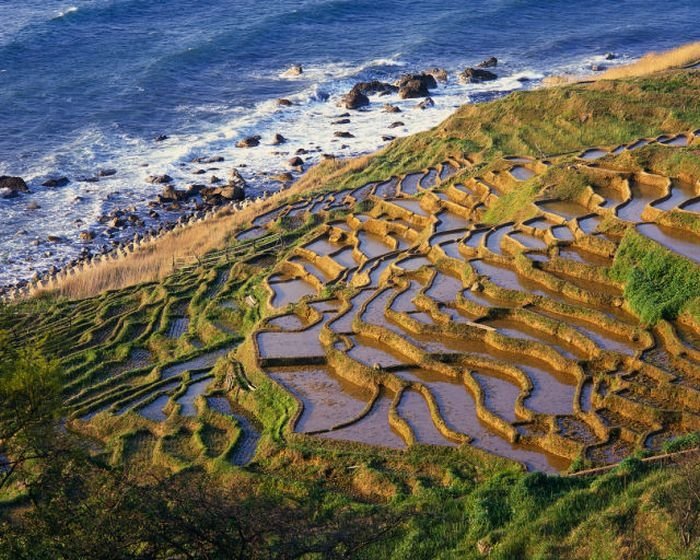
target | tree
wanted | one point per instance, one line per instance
(30, 405)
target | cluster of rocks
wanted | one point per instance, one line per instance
(125, 231)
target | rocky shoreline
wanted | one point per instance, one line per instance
(127, 226)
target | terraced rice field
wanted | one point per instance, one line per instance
(402, 317)
(451, 337)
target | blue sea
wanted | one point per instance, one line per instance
(88, 85)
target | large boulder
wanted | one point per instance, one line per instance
(476, 76)
(427, 79)
(12, 186)
(412, 89)
(490, 62)
(416, 85)
(354, 100)
(373, 87)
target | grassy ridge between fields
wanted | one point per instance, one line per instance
(658, 283)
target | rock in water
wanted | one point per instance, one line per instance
(355, 100)
(278, 139)
(490, 62)
(412, 89)
(250, 142)
(427, 80)
(426, 103)
(389, 108)
(284, 102)
(375, 86)
(159, 179)
(476, 76)
(57, 182)
(296, 161)
(294, 70)
(440, 74)
(12, 186)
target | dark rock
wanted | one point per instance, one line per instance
(373, 87)
(12, 186)
(159, 179)
(389, 108)
(107, 172)
(427, 80)
(355, 100)
(284, 102)
(440, 74)
(301, 152)
(199, 172)
(249, 142)
(343, 134)
(153, 214)
(476, 75)
(214, 179)
(278, 139)
(87, 235)
(490, 62)
(54, 239)
(56, 182)
(413, 89)
(610, 56)
(295, 162)
(342, 116)
(161, 138)
(205, 159)
(396, 124)
(388, 138)
(523, 79)
(426, 103)
(341, 121)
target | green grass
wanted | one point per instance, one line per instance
(658, 283)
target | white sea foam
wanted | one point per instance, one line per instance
(66, 12)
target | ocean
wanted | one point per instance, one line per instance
(89, 85)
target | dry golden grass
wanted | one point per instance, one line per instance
(680, 57)
(154, 261)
